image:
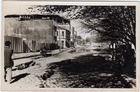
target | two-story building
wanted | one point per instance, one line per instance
(29, 32)
(63, 37)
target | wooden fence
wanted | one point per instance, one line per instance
(16, 43)
(20, 45)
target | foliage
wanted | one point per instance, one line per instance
(118, 24)
(79, 37)
(88, 39)
(113, 23)
(66, 11)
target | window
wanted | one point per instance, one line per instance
(63, 33)
(57, 33)
(55, 38)
(54, 28)
(45, 18)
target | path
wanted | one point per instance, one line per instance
(28, 77)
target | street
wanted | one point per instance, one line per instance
(76, 45)
(81, 67)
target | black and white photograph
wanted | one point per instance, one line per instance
(69, 45)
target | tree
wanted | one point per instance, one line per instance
(113, 23)
(66, 11)
(116, 23)
(88, 39)
(79, 37)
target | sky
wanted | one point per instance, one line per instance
(16, 8)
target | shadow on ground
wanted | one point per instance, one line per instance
(86, 72)
(18, 77)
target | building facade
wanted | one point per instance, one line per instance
(29, 32)
(63, 37)
(73, 37)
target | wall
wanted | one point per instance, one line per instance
(33, 31)
(68, 43)
(61, 38)
(72, 34)
(65, 38)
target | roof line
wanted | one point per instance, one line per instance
(10, 15)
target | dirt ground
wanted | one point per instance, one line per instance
(73, 68)
(86, 71)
